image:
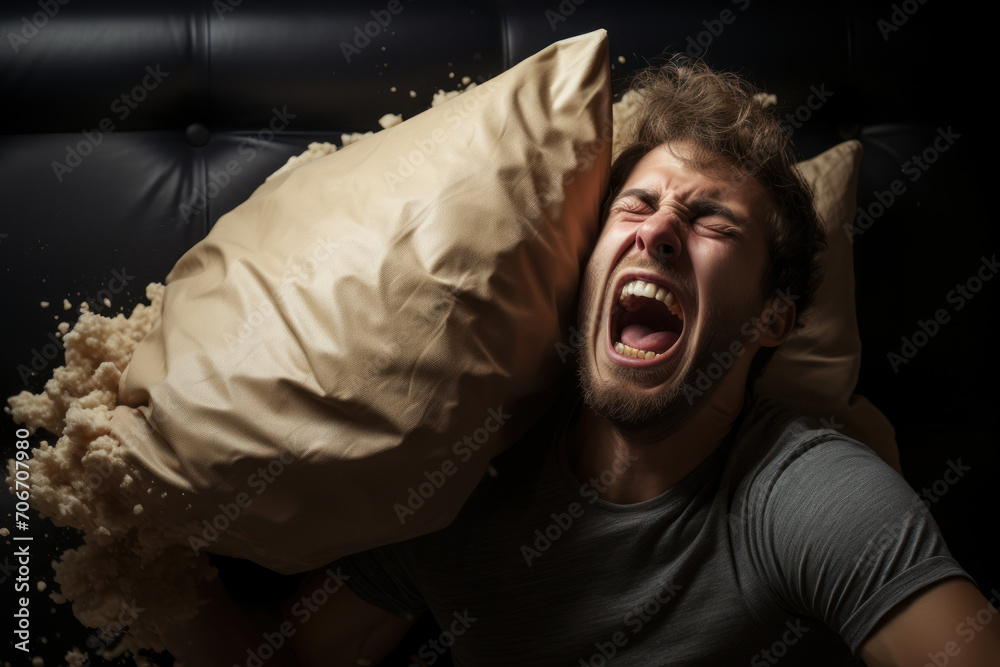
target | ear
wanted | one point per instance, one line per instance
(777, 320)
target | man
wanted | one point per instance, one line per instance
(651, 523)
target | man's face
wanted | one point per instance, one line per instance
(698, 238)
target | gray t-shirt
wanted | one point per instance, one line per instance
(787, 544)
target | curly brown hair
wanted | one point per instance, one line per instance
(721, 116)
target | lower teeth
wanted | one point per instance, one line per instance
(627, 351)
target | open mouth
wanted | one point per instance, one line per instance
(646, 321)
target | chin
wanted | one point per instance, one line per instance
(631, 405)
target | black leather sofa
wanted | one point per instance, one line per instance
(129, 128)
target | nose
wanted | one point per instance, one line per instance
(657, 236)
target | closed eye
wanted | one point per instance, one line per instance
(706, 214)
(632, 206)
(712, 223)
(714, 217)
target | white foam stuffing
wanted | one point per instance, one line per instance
(80, 482)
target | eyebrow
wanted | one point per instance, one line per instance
(698, 207)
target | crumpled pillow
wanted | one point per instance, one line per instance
(340, 358)
(816, 370)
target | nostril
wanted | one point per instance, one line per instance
(664, 251)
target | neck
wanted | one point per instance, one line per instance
(626, 467)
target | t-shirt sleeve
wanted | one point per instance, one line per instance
(382, 577)
(842, 537)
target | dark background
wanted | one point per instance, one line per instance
(133, 204)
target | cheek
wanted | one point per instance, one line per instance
(605, 255)
(723, 274)
(712, 262)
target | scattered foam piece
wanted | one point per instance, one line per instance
(390, 120)
(766, 99)
(75, 658)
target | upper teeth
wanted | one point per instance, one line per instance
(651, 291)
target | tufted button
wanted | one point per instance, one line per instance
(197, 134)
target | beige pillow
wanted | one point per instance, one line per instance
(342, 355)
(816, 370)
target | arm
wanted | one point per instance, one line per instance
(949, 622)
(333, 627)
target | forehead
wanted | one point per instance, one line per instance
(667, 171)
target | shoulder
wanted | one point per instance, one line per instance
(790, 474)
(833, 531)
(775, 442)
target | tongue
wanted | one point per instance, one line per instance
(642, 337)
